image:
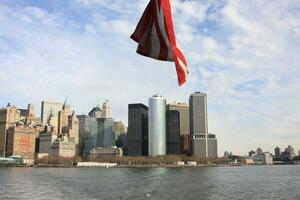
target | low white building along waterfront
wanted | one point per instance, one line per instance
(96, 164)
(102, 153)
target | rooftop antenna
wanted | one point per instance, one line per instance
(65, 103)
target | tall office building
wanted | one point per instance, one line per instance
(288, 153)
(198, 124)
(106, 135)
(184, 125)
(157, 126)
(63, 116)
(183, 110)
(174, 142)
(200, 139)
(106, 109)
(137, 136)
(73, 126)
(277, 153)
(8, 117)
(87, 133)
(51, 109)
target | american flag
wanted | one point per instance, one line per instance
(156, 37)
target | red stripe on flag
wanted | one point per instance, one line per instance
(181, 75)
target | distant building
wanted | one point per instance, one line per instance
(63, 148)
(106, 109)
(89, 143)
(27, 112)
(106, 135)
(21, 142)
(96, 112)
(249, 161)
(63, 116)
(184, 125)
(119, 128)
(45, 143)
(87, 133)
(288, 153)
(200, 139)
(259, 151)
(186, 144)
(102, 153)
(277, 153)
(227, 154)
(174, 144)
(122, 142)
(73, 129)
(51, 109)
(8, 117)
(157, 126)
(251, 153)
(183, 110)
(23, 112)
(258, 158)
(137, 135)
(121, 136)
(212, 144)
(198, 124)
(267, 158)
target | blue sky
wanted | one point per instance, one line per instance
(243, 54)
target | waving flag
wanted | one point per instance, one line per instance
(156, 37)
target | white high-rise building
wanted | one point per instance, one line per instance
(157, 126)
(106, 110)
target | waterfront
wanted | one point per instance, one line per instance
(254, 182)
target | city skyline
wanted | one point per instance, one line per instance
(247, 65)
(168, 104)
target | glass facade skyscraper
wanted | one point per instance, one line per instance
(106, 135)
(174, 144)
(137, 130)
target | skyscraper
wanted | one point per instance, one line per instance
(198, 124)
(277, 153)
(87, 133)
(137, 130)
(51, 109)
(157, 126)
(174, 144)
(106, 109)
(106, 135)
(183, 110)
(184, 125)
(200, 139)
(73, 126)
(63, 116)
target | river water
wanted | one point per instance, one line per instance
(255, 182)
